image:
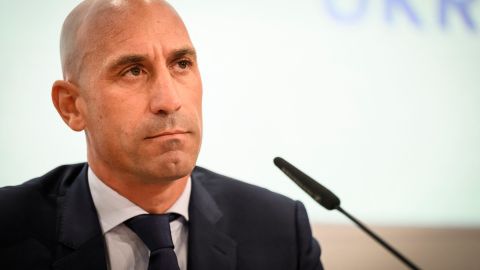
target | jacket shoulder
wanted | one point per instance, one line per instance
(31, 207)
(224, 187)
(251, 204)
(49, 182)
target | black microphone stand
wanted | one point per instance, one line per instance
(379, 240)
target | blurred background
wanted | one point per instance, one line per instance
(379, 100)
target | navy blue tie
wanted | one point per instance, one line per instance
(154, 230)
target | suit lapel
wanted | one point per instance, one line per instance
(209, 246)
(82, 244)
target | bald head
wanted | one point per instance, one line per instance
(89, 26)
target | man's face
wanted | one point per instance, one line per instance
(141, 93)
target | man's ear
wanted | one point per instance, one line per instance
(66, 98)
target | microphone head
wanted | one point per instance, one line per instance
(319, 193)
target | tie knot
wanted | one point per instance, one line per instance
(153, 229)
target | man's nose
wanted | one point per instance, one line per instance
(164, 96)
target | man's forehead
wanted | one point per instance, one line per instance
(108, 26)
(136, 38)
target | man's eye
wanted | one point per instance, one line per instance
(135, 71)
(184, 64)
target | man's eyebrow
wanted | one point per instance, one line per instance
(127, 60)
(139, 58)
(176, 54)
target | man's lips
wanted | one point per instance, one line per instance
(167, 134)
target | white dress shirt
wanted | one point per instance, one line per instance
(124, 248)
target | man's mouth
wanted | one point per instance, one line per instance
(168, 133)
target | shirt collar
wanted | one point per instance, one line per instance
(113, 209)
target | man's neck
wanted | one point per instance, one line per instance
(154, 197)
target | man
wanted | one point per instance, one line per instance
(131, 82)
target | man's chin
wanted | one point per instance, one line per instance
(169, 170)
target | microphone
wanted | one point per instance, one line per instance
(330, 201)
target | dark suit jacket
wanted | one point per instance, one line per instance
(51, 223)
